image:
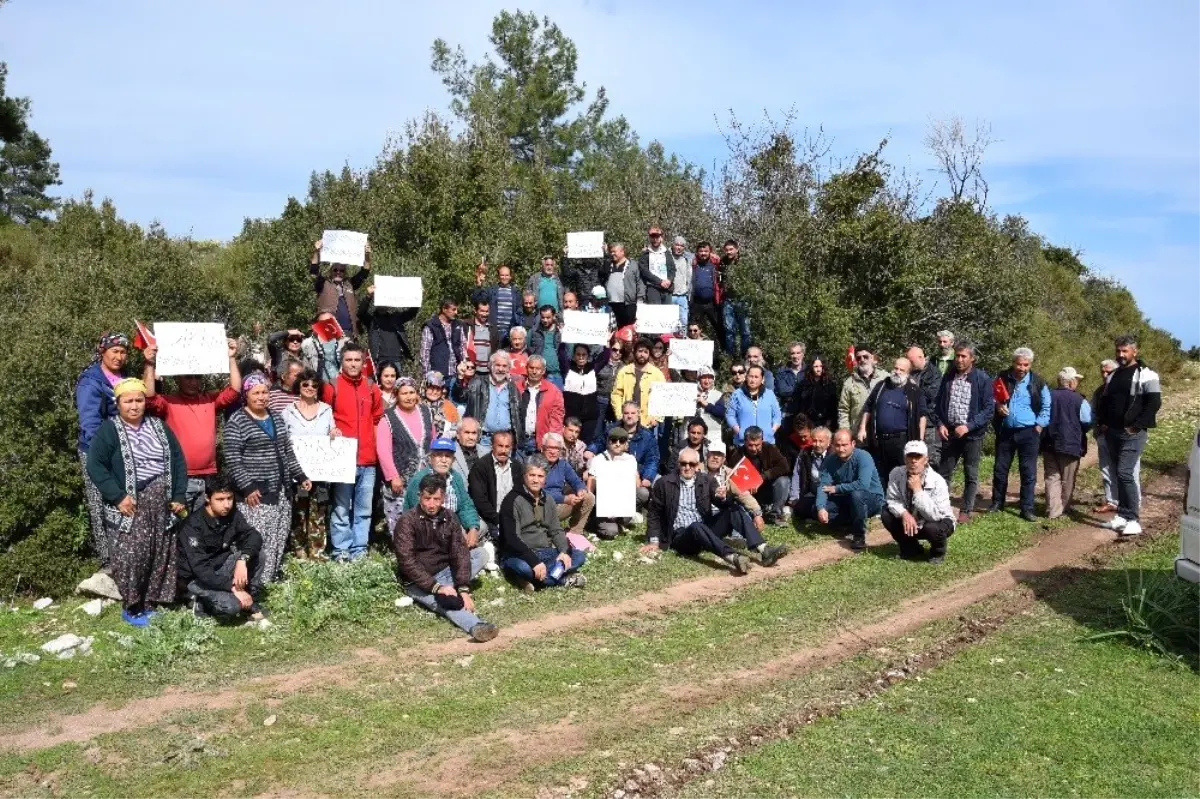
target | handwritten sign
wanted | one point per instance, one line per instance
(581, 327)
(689, 354)
(587, 244)
(343, 247)
(616, 487)
(325, 459)
(398, 292)
(658, 318)
(673, 399)
(191, 348)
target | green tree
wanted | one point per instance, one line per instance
(26, 168)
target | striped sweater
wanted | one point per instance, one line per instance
(253, 460)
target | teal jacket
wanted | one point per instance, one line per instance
(857, 473)
(106, 464)
(468, 517)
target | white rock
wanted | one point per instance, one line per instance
(465, 662)
(101, 585)
(21, 658)
(618, 556)
(66, 654)
(404, 602)
(94, 607)
(496, 603)
(62, 643)
(43, 603)
(269, 720)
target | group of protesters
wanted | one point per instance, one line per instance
(486, 445)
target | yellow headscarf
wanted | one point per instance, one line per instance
(127, 385)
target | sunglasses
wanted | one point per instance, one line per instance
(739, 371)
(308, 384)
(688, 464)
(295, 338)
(617, 441)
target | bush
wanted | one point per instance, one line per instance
(1162, 614)
(314, 594)
(171, 638)
(49, 561)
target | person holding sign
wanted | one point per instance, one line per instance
(335, 294)
(632, 382)
(308, 416)
(387, 338)
(641, 443)
(601, 477)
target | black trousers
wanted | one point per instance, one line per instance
(935, 533)
(625, 313)
(888, 453)
(701, 312)
(223, 604)
(710, 535)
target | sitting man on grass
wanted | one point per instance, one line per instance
(690, 513)
(849, 489)
(535, 549)
(434, 563)
(918, 506)
(219, 569)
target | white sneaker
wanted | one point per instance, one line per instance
(1131, 528)
(1117, 523)
(787, 511)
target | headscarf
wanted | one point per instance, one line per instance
(108, 341)
(254, 379)
(127, 385)
(405, 381)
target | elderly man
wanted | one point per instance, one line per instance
(617, 449)
(918, 506)
(965, 405)
(564, 486)
(492, 398)
(546, 286)
(1109, 505)
(946, 351)
(715, 465)
(332, 294)
(926, 375)
(1128, 408)
(457, 499)
(1019, 424)
(770, 463)
(1065, 441)
(490, 480)
(857, 387)
(849, 489)
(622, 284)
(894, 414)
(681, 286)
(806, 475)
(542, 409)
(756, 357)
(468, 450)
(536, 551)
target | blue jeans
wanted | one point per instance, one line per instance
(856, 508)
(462, 619)
(547, 556)
(350, 522)
(682, 302)
(1024, 442)
(737, 318)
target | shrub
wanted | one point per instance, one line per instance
(171, 638)
(49, 561)
(1162, 614)
(314, 594)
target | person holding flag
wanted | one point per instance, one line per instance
(768, 468)
(322, 351)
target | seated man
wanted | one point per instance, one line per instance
(806, 475)
(618, 445)
(642, 445)
(849, 489)
(693, 435)
(220, 570)
(575, 450)
(770, 463)
(918, 506)
(434, 562)
(569, 493)
(683, 516)
(720, 472)
(535, 549)
(490, 480)
(457, 500)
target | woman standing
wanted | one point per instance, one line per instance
(137, 465)
(817, 396)
(389, 373)
(444, 412)
(308, 416)
(402, 441)
(95, 404)
(581, 387)
(263, 467)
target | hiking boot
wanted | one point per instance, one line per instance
(737, 542)
(770, 519)
(484, 632)
(1029, 516)
(575, 580)
(771, 554)
(911, 554)
(995, 507)
(859, 542)
(740, 563)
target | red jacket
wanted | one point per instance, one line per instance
(550, 411)
(357, 408)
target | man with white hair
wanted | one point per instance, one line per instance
(681, 285)
(918, 507)
(1065, 441)
(1019, 422)
(564, 486)
(945, 357)
(493, 399)
(1109, 505)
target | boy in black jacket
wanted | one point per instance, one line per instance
(220, 570)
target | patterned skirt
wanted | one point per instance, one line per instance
(95, 506)
(142, 559)
(273, 523)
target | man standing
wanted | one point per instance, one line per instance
(893, 415)
(492, 398)
(1065, 441)
(633, 380)
(1019, 424)
(706, 291)
(480, 335)
(1128, 408)
(945, 351)
(332, 296)
(710, 403)
(736, 313)
(545, 341)
(503, 301)
(965, 405)
(857, 387)
(527, 316)
(443, 343)
(681, 287)
(191, 415)
(849, 489)
(926, 375)
(546, 287)
(490, 480)
(623, 286)
(753, 405)
(755, 357)
(656, 269)
(918, 506)
(542, 409)
(564, 486)
(1107, 467)
(770, 463)
(788, 378)
(357, 408)
(386, 336)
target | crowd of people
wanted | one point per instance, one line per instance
(481, 447)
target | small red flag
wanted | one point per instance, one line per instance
(1000, 390)
(801, 442)
(369, 366)
(624, 334)
(850, 358)
(143, 338)
(327, 330)
(745, 476)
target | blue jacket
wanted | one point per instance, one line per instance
(643, 445)
(562, 475)
(858, 473)
(95, 403)
(983, 403)
(740, 412)
(786, 383)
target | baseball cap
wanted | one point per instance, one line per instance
(435, 378)
(441, 445)
(705, 371)
(618, 433)
(916, 448)
(1069, 373)
(717, 447)
(599, 293)
(655, 229)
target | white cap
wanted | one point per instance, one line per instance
(916, 448)
(1068, 373)
(717, 447)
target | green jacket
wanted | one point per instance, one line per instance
(468, 517)
(854, 395)
(106, 463)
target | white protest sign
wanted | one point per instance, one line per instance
(690, 354)
(658, 318)
(581, 327)
(616, 487)
(325, 459)
(673, 399)
(398, 292)
(586, 244)
(343, 247)
(191, 348)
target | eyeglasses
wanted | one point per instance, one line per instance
(688, 464)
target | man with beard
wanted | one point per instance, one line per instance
(857, 387)
(893, 415)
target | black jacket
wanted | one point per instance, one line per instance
(481, 485)
(206, 542)
(817, 400)
(655, 295)
(386, 336)
(664, 505)
(930, 380)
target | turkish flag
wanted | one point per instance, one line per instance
(799, 441)
(328, 330)
(624, 334)
(850, 358)
(369, 366)
(745, 476)
(1000, 391)
(143, 338)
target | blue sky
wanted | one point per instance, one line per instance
(199, 114)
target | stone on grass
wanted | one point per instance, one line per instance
(404, 602)
(101, 585)
(270, 720)
(618, 556)
(94, 607)
(62, 643)
(43, 603)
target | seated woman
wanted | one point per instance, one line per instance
(137, 465)
(220, 563)
(535, 549)
(402, 440)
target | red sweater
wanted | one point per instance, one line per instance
(193, 420)
(357, 408)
